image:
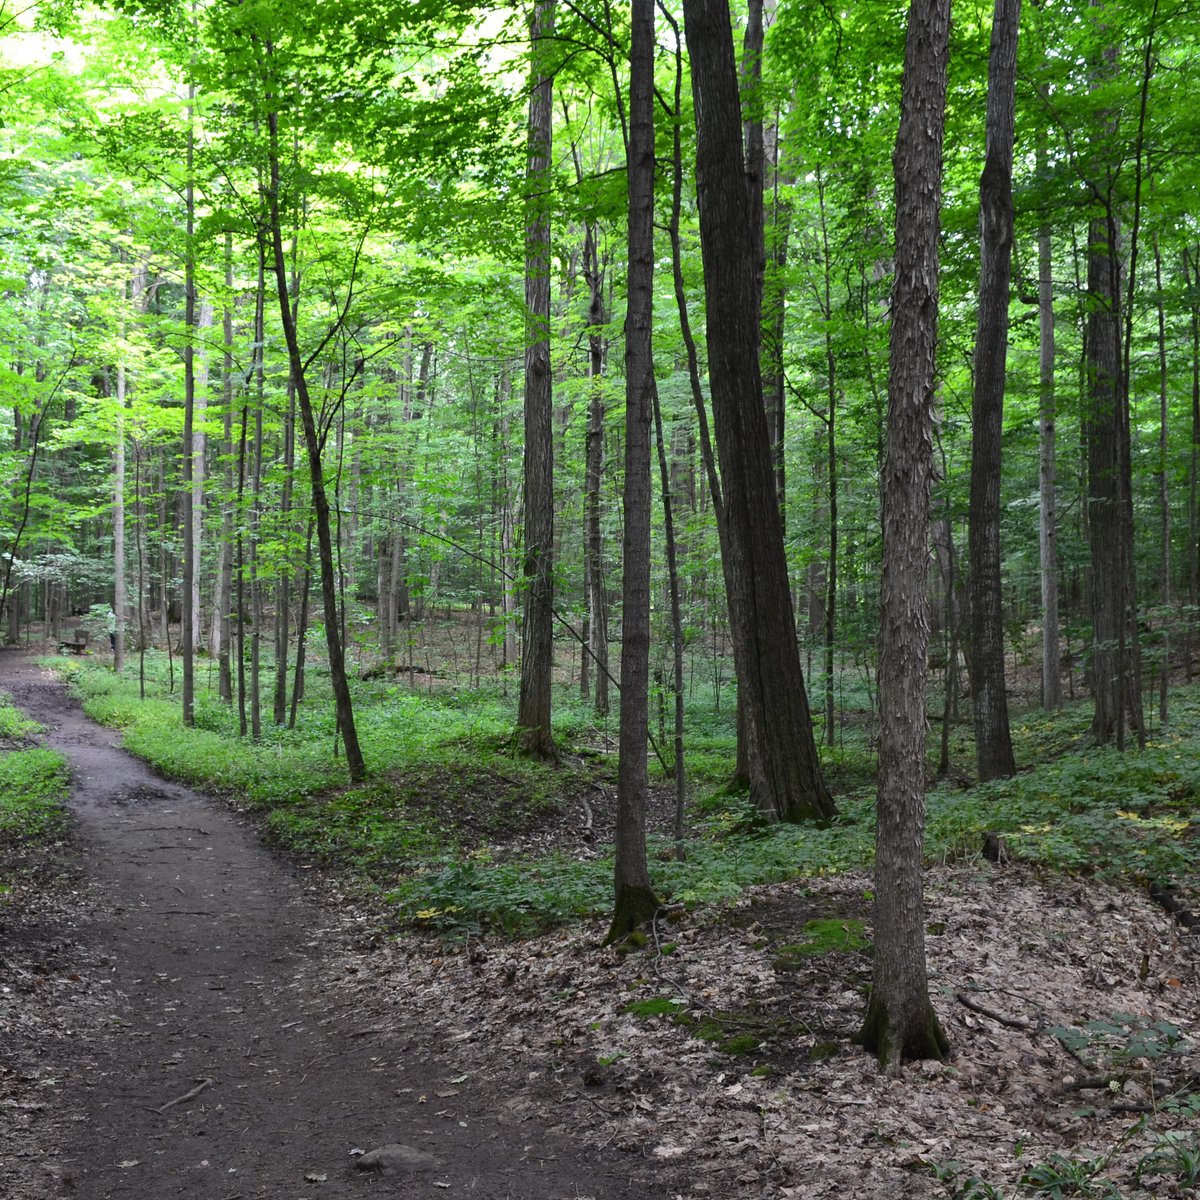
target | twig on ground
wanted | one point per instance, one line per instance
(200, 1086)
(1009, 1022)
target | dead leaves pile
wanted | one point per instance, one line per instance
(51, 994)
(746, 1083)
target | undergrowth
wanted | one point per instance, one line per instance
(33, 788)
(446, 785)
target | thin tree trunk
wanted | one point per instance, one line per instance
(537, 652)
(634, 899)
(668, 503)
(189, 407)
(314, 443)
(1048, 505)
(204, 321)
(1191, 278)
(222, 625)
(1164, 495)
(900, 1022)
(119, 583)
(989, 697)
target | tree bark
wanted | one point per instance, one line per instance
(189, 406)
(1047, 497)
(314, 445)
(535, 735)
(634, 899)
(989, 698)
(900, 1022)
(787, 782)
(597, 600)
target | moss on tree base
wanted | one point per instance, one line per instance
(634, 907)
(921, 1037)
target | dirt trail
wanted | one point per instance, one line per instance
(229, 1067)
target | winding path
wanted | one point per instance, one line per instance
(229, 1068)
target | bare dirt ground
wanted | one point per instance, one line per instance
(176, 1023)
(715, 1064)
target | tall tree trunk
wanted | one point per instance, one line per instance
(989, 697)
(222, 626)
(537, 652)
(634, 899)
(1115, 674)
(669, 510)
(189, 408)
(204, 321)
(1164, 493)
(787, 782)
(597, 600)
(1191, 278)
(744, 771)
(314, 443)
(283, 589)
(1047, 497)
(120, 602)
(900, 1022)
(831, 399)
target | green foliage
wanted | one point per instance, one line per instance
(1115, 1042)
(33, 786)
(512, 898)
(15, 726)
(828, 935)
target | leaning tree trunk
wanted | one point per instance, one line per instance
(313, 444)
(900, 1021)
(788, 783)
(989, 698)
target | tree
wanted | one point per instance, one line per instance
(1047, 498)
(989, 698)
(537, 650)
(900, 1021)
(314, 439)
(786, 779)
(634, 901)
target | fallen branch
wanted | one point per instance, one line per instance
(200, 1086)
(975, 1006)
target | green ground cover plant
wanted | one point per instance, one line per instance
(33, 788)
(447, 791)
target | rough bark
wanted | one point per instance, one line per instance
(222, 627)
(119, 579)
(1047, 498)
(189, 446)
(786, 778)
(989, 698)
(537, 651)
(597, 600)
(900, 1021)
(634, 900)
(1164, 488)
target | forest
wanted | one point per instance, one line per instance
(705, 489)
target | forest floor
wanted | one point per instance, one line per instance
(184, 1013)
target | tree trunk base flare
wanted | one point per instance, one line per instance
(634, 907)
(924, 1039)
(537, 743)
